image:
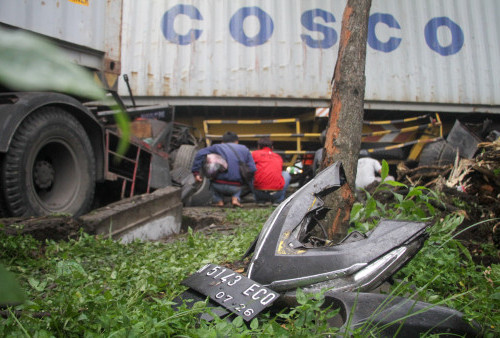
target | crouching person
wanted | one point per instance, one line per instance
(270, 180)
(226, 182)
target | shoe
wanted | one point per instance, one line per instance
(235, 202)
(219, 204)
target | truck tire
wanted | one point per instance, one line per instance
(437, 153)
(184, 159)
(202, 195)
(49, 167)
(185, 156)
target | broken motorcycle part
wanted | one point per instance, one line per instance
(287, 256)
(388, 316)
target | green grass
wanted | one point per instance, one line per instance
(447, 270)
(97, 287)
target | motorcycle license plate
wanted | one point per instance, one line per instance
(231, 290)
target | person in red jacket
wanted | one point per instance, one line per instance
(270, 180)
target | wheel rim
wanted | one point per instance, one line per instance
(43, 174)
(55, 175)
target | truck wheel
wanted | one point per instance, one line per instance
(437, 153)
(202, 196)
(185, 157)
(50, 166)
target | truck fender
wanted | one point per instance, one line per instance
(16, 106)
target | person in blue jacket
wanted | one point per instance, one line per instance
(229, 182)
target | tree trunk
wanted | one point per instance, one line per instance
(345, 124)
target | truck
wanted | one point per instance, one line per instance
(61, 153)
(264, 68)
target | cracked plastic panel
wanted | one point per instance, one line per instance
(287, 256)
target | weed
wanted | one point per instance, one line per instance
(416, 205)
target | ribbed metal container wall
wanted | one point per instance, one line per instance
(448, 53)
(64, 20)
(427, 51)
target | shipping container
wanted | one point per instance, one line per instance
(88, 32)
(264, 60)
(421, 55)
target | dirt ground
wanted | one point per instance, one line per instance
(205, 219)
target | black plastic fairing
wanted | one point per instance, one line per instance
(291, 212)
(307, 262)
(392, 316)
(280, 254)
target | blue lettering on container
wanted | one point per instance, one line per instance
(457, 36)
(330, 35)
(167, 25)
(373, 41)
(236, 26)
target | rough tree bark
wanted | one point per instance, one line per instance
(343, 134)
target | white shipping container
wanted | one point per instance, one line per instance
(423, 54)
(88, 31)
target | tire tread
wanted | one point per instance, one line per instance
(13, 190)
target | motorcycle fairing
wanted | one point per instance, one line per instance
(384, 315)
(283, 260)
(398, 316)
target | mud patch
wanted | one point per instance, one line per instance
(208, 220)
(198, 218)
(42, 228)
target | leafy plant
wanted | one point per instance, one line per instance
(446, 267)
(10, 292)
(443, 271)
(310, 316)
(414, 205)
(28, 62)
